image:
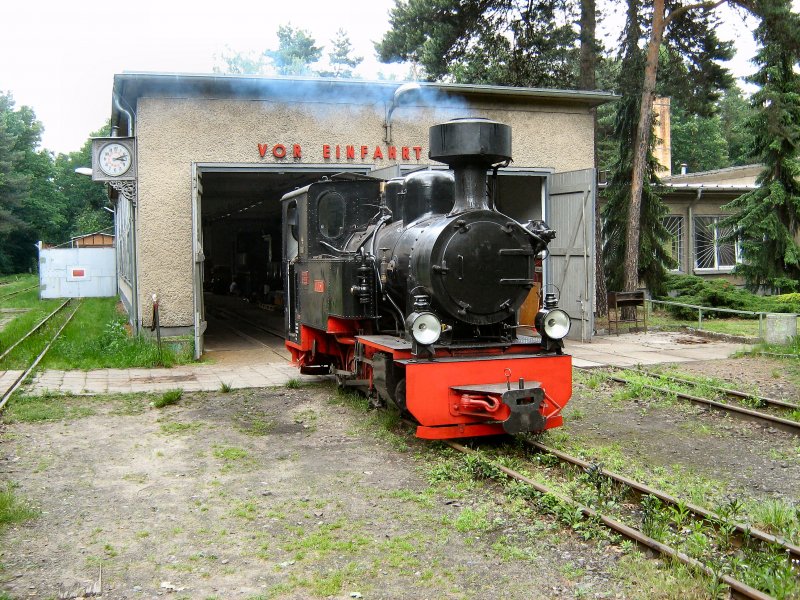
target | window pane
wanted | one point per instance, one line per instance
(705, 250)
(726, 251)
(331, 214)
(674, 225)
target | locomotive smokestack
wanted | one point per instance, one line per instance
(470, 147)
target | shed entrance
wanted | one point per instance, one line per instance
(238, 290)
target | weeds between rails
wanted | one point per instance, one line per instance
(572, 510)
(726, 517)
(23, 376)
(35, 328)
(645, 381)
(751, 562)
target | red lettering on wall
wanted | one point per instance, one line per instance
(364, 151)
(351, 151)
(338, 151)
(279, 151)
(392, 153)
(319, 285)
(304, 277)
(78, 273)
(378, 152)
(417, 151)
(405, 153)
(262, 149)
(297, 151)
(326, 151)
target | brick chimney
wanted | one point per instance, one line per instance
(662, 149)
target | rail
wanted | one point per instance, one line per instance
(738, 588)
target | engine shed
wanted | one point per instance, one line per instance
(197, 165)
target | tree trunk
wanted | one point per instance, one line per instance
(588, 81)
(642, 145)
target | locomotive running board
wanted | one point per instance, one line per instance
(447, 432)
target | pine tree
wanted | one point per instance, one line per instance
(499, 42)
(341, 59)
(653, 236)
(767, 220)
(296, 51)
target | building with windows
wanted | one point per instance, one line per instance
(695, 202)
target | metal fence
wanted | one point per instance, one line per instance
(706, 309)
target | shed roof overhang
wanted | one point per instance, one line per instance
(130, 86)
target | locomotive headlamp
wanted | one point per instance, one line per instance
(553, 323)
(424, 327)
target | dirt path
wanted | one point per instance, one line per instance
(291, 493)
(259, 495)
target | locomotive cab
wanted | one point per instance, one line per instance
(411, 290)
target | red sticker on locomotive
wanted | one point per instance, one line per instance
(304, 277)
(319, 285)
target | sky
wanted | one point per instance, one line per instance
(60, 57)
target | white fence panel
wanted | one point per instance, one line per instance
(77, 273)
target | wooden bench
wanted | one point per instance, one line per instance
(617, 301)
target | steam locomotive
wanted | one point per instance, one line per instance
(410, 291)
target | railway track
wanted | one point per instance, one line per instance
(736, 410)
(738, 588)
(27, 289)
(36, 327)
(25, 373)
(743, 530)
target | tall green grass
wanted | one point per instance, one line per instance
(98, 338)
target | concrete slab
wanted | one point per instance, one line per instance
(625, 350)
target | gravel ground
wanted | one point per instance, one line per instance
(264, 494)
(283, 493)
(748, 459)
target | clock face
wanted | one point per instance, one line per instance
(114, 159)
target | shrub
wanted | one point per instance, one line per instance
(721, 293)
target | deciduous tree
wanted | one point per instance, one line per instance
(651, 256)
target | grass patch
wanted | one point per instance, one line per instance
(98, 338)
(47, 407)
(13, 509)
(231, 457)
(257, 427)
(168, 398)
(294, 383)
(173, 427)
(225, 388)
(325, 540)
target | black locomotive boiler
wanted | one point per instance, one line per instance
(410, 290)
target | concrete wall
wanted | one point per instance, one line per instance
(172, 133)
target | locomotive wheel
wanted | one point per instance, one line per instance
(400, 395)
